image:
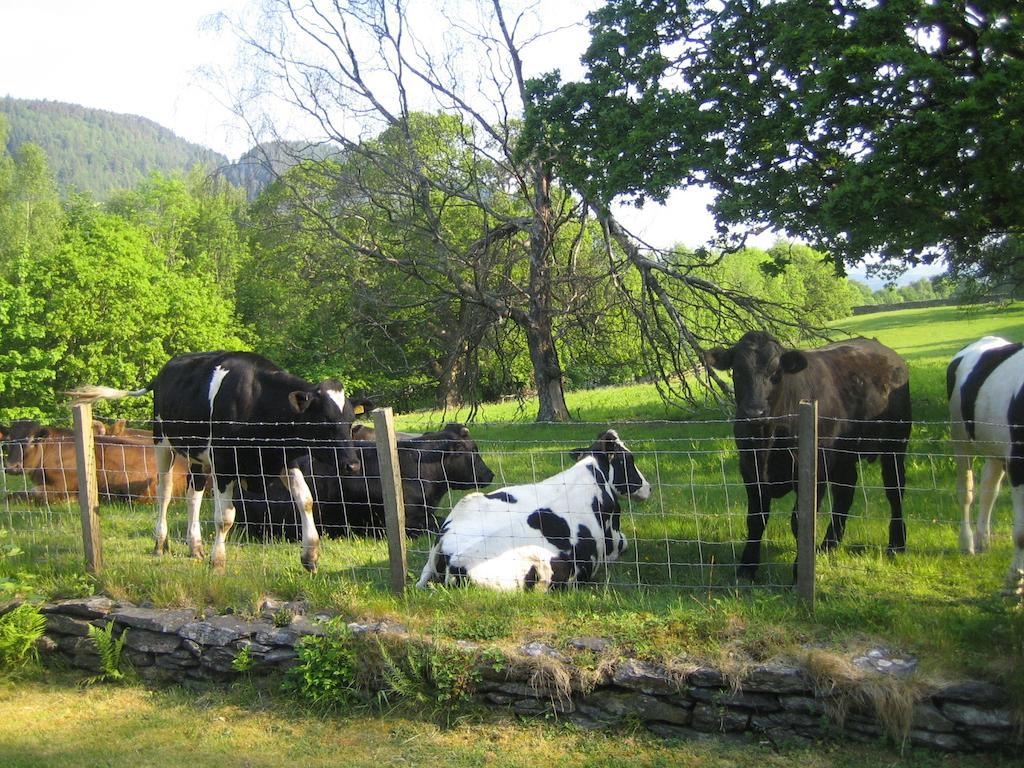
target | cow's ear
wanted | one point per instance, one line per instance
(579, 453)
(301, 400)
(718, 357)
(792, 361)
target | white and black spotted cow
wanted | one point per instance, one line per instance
(549, 534)
(239, 416)
(985, 386)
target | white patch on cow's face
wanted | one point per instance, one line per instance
(215, 381)
(644, 491)
(338, 396)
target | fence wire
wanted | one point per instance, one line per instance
(689, 534)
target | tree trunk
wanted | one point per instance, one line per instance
(547, 371)
(547, 374)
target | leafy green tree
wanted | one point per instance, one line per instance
(118, 310)
(860, 293)
(865, 128)
(31, 222)
(196, 220)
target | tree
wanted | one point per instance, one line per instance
(366, 69)
(31, 223)
(117, 311)
(865, 128)
(430, 183)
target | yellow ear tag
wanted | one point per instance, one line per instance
(359, 410)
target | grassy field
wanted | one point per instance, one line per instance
(674, 592)
(54, 723)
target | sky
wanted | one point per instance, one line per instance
(150, 58)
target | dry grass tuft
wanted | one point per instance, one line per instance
(848, 689)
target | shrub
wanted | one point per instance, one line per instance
(109, 649)
(326, 674)
(20, 629)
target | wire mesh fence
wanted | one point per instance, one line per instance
(689, 534)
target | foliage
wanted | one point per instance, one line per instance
(109, 649)
(88, 295)
(243, 661)
(924, 289)
(30, 228)
(16, 583)
(20, 629)
(431, 674)
(865, 128)
(327, 671)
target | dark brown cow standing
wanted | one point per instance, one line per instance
(125, 467)
(863, 393)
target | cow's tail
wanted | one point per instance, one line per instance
(91, 394)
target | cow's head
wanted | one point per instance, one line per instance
(758, 363)
(21, 444)
(462, 467)
(328, 408)
(617, 461)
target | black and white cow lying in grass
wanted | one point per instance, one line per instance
(985, 385)
(549, 534)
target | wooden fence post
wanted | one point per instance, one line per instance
(807, 533)
(394, 502)
(88, 490)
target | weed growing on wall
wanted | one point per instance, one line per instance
(109, 649)
(326, 675)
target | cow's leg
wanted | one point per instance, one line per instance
(223, 519)
(302, 499)
(894, 477)
(842, 483)
(164, 488)
(432, 569)
(965, 493)
(1016, 576)
(195, 501)
(758, 507)
(991, 479)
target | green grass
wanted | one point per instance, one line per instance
(54, 723)
(933, 602)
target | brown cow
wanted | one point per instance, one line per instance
(125, 467)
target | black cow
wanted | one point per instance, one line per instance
(238, 416)
(863, 393)
(430, 465)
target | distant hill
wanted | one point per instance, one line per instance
(257, 168)
(92, 150)
(96, 151)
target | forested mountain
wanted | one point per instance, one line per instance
(260, 166)
(96, 151)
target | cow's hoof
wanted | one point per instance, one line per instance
(197, 552)
(161, 549)
(828, 546)
(309, 565)
(893, 551)
(311, 559)
(1015, 584)
(218, 561)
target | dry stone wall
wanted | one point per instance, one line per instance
(775, 702)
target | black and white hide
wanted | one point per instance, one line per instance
(985, 386)
(550, 534)
(238, 416)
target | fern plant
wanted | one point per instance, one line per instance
(109, 649)
(20, 629)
